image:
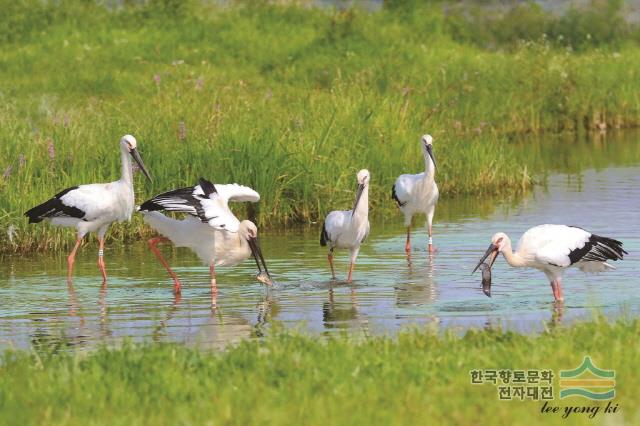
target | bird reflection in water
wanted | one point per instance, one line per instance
(267, 308)
(103, 311)
(342, 314)
(419, 287)
(160, 329)
(557, 313)
(73, 302)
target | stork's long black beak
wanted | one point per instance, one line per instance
(257, 255)
(430, 152)
(136, 156)
(359, 192)
(491, 251)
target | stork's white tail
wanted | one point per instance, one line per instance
(173, 229)
(593, 267)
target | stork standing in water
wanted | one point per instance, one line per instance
(94, 207)
(348, 229)
(554, 248)
(417, 194)
(210, 228)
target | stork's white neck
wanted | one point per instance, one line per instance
(429, 167)
(362, 209)
(127, 171)
(513, 258)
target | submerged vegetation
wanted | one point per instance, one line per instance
(418, 377)
(291, 100)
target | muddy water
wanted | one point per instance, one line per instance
(390, 292)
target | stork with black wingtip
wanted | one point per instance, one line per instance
(554, 248)
(418, 194)
(348, 229)
(210, 228)
(93, 207)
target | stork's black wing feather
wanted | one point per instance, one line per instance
(179, 200)
(324, 235)
(394, 195)
(54, 207)
(598, 249)
(207, 187)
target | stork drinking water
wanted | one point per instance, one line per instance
(210, 229)
(554, 248)
(348, 229)
(416, 194)
(94, 207)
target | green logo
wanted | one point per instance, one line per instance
(595, 383)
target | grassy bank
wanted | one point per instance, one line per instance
(415, 378)
(289, 100)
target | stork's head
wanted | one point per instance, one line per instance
(427, 148)
(249, 231)
(499, 242)
(129, 144)
(363, 183)
(363, 177)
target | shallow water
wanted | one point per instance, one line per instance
(389, 293)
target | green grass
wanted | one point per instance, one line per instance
(289, 100)
(416, 378)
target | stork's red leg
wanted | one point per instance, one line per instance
(560, 297)
(152, 245)
(430, 241)
(214, 284)
(350, 272)
(72, 258)
(556, 286)
(554, 289)
(330, 257)
(101, 264)
(407, 246)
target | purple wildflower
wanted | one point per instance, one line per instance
(182, 131)
(157, 79)
(51, 149)
(7, 172)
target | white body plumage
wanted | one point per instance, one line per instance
(210, 230)
(418, 193)
(212, 246)
(93, 207)
(348, 229)
(554, 248)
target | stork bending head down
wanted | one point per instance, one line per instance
(210, 229)
(554, 248)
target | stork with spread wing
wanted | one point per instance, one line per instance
(210, 228)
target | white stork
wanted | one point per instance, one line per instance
(348, 229)
(554, 248)
(94, 207)
(417, 194)
(210, 228)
